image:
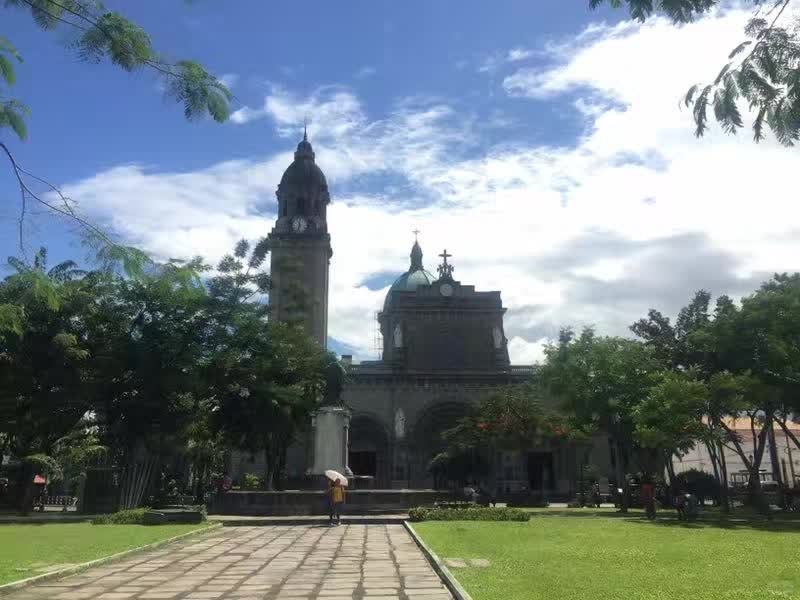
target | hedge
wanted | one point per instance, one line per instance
(148, 516)
(468, 514)
(133, 516)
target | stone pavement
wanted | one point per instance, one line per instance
(369, 562)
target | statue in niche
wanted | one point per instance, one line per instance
(399, 424)
(398, 336)
(498, 338)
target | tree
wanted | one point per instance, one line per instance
(676, 345)
(743, 398)
(670, 421)
(43, 355)
(99, 34)
(772, 317)
(164, 362)
(76, 450)
(762, 71)
(600, 381)
(43, 362)
(266, 378)
(147, 345)
(513, 418)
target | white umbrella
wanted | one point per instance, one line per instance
(334, 475)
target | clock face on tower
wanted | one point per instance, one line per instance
(446, 289)
(299, 224)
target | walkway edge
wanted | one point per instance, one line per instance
(459, 593)
(15, 585)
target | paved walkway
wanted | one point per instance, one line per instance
(294, 562)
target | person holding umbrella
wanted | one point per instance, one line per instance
(336, 494)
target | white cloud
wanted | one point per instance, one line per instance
(634, 214)
(518, 54)
(229, 79)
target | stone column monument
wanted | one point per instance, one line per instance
(331, 423)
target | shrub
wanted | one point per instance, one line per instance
(467, 514)
(701, 484)
(133, 516)
(251, 481)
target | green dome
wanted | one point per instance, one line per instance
(413, 278)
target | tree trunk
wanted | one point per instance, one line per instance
(270, 464)
(712, 453)
(788, 432)
(776, 465)
(280, 469)
(622, 480)
(723, 467)
(757, 492)
(670, 468)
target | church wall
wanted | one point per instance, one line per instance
(413, 415)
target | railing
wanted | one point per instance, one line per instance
(59, 501)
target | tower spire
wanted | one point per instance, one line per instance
(304, 148)
(416, 253)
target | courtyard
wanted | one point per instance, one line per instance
(557, 555)
(249, 563)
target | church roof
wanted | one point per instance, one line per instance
(304, 174)
(414, 277)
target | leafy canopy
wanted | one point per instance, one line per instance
(102, 34)
(762, 74)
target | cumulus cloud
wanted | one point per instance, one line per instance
(635, 213)
(229, 79)
(518, 54)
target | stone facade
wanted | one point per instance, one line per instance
(300, 246)
(444, 347)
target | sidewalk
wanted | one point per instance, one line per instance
(237, 520)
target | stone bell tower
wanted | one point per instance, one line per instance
(300, 246)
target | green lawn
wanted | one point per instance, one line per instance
(28, 550)
(557, 557)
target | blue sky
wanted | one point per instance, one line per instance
(539, 141)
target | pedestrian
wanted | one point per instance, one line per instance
(596, 495)
(680, 505)
(336, 499)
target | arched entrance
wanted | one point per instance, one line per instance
(368, 452)
(426, 439)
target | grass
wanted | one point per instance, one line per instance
(604, 557)
(28, 550)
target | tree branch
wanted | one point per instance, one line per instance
(162, 67)
(66, 211)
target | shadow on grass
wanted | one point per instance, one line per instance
(731, 523)
(665, 518)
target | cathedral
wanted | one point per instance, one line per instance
(444, 347)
